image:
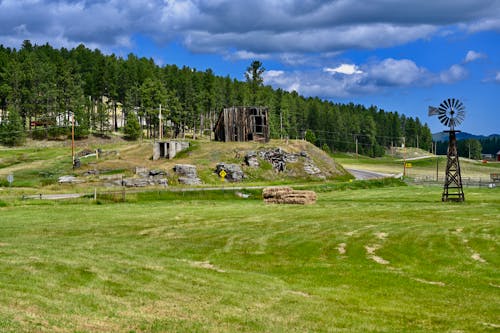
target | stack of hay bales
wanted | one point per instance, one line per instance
(287, 195)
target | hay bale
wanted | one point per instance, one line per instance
(286, 195)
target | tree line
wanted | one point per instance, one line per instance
(43, 88)
(472, 147)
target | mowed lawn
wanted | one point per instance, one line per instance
(376, 260)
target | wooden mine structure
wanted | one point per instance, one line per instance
(242, 124)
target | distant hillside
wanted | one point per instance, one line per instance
(443, 136)
(487, 144)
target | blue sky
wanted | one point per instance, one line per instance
(400, 55)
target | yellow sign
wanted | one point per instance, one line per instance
(223, 173)
(408, 165)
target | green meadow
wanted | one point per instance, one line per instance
(380, 259)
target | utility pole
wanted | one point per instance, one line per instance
(160, 131)
(281, 125)
(73, 139)
(356, 142)
(404, 156)
(437, 168)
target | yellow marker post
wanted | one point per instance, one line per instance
(222, 174)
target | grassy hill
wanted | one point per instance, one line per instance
(40, 164)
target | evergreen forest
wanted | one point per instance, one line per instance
(41, 88)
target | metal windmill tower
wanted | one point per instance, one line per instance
(451, 112)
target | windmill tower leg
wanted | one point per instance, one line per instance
(453, 190)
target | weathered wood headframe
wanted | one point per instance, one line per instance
(242, 124)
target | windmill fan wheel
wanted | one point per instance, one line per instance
(451, 112)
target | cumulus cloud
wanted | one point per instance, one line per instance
(347, 80)
(473, 56)
(393, 72)
(453, 74)
(346, 69)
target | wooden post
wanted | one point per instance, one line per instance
(160, 131)
(73, 140)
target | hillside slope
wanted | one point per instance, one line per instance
(42, 163)
(206, 155)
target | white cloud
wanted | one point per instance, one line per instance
(488, 24)
(473, 56)
(245, 55)
(393, 72)
(453, 74)
(497, 77)
(346, 69)
(370, 78)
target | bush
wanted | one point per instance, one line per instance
(39, 133)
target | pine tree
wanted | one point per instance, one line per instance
(132, 128)
(12, 132)
(254, 79)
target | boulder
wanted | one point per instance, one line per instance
(251, 159)
(233, 171)
(188, 174)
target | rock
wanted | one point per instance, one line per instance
(188, 174)
(251, 159)
(311, 169)
(135, 182)
(141, 171)
(93, 172)
(142, 182)
(69, 180)
(185, 170)
(156, 173)
(233, 171)
(190, 180)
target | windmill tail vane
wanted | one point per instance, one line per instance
(433, 111)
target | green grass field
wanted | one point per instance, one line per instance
(391, 259)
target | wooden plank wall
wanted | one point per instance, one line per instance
(238, 123)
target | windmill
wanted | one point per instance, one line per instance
(451, 112)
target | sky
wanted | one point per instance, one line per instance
(399, 55)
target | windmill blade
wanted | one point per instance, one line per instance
(445, 121)
(460, 117)
(444, 105)
(454, 103)
(433, 111)
(460, 107)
